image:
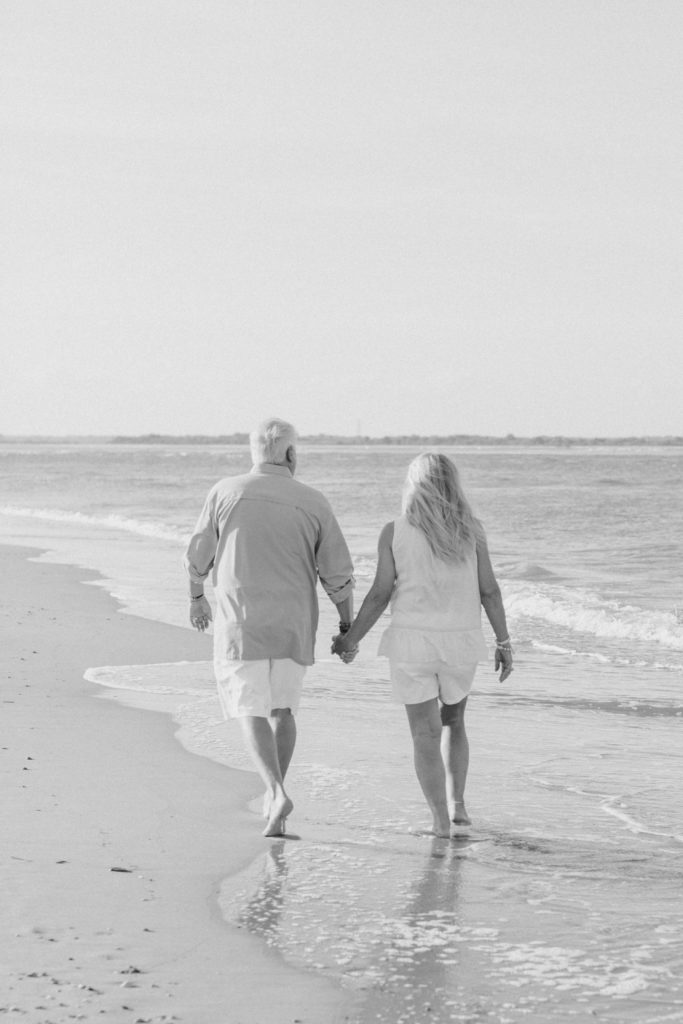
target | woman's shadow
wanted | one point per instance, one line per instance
(420, 975)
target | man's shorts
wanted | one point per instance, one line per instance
(415, 682)
(258, 687)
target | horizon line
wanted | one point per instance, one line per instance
(242, 437)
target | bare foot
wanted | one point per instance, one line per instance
(280, 809)
(441, 828)
(266, 805)
(461, 819)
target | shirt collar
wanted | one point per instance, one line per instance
(269, 469)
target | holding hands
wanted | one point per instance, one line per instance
(341, 647)
(346, 649)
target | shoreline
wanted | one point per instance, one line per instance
(120, 839)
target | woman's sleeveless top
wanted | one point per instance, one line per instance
(435, 605)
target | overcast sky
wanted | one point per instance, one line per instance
(361, 215)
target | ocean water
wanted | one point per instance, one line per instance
(565, 903)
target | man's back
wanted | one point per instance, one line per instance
(268, 538)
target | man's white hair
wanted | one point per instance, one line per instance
(270, 441)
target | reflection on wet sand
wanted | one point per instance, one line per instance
(262, 913)
(422, 956)
(393, 935)
(461, 931)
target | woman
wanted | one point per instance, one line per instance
(434, 566)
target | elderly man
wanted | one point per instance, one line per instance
(268, 539)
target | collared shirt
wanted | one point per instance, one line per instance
(268, 539)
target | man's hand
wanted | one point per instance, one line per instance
(503, 661)
(341, 646)
(200, 614)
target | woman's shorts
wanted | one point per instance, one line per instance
(415, 682)
(258, 687)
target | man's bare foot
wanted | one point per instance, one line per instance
(280, 809)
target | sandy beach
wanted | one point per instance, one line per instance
(115, 838)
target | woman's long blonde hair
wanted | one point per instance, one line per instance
(435, 503)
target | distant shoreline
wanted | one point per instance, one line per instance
(510, 440)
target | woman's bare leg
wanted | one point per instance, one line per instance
(455, 750)
(425, 728)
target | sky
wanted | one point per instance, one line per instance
(374, 217)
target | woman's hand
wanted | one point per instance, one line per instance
(200, 614)
(503, 661)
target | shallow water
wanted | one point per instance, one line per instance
(565, 903)
(565, 900)
(445, 931)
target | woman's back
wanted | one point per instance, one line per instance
(435, 605)
(429, 592)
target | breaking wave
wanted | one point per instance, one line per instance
(582, 611)
(149, 528)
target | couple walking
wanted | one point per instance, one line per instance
(267, 539)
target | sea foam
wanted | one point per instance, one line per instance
(582, 611)
(147, 528)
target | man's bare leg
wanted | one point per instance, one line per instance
(283, 724)
(425, 727)
(455, 750)
(260, 741)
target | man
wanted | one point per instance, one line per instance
(268, 539)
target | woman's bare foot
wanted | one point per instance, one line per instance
(441, 828)
(460, 815)
(280, 809)
(461, 819)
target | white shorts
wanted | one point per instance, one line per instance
(415, 682)
(258, 687)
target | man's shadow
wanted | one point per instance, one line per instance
(262, 913)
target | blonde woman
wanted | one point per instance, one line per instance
(434, 566)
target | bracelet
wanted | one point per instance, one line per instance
(197, 598)
(344, 627)
(504, 645)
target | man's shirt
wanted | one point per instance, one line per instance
(268, 539)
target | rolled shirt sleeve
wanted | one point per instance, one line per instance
(201, 551)
(335, 568)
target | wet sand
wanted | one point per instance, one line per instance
(116, 839)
